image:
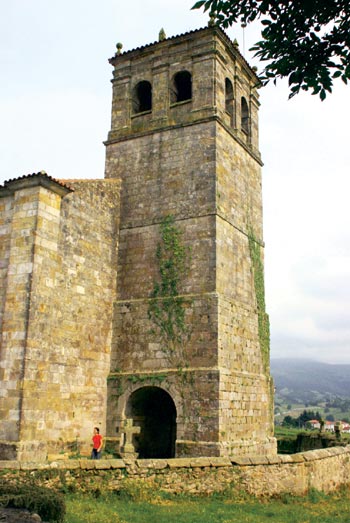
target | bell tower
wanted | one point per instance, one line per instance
(184, 142)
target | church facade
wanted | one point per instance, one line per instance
(135, 303)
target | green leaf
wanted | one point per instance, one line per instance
(198, 5)
(337, 74)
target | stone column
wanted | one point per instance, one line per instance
(31, 238)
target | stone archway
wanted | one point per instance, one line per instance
(153, 410)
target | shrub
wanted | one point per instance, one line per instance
(47, 503)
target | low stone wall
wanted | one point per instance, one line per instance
(325, 470)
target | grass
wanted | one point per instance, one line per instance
(314, 508)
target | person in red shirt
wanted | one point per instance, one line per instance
(97, 441)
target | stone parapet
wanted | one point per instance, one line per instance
(258, 475)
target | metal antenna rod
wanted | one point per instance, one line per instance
(243, 25)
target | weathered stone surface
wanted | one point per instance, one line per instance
(192, 161)
(200, 462)
(241, 460)
(79, 264)
(7, 464)
(117, 463)
(87, 464)
(179, 462)
(260, 460)
(298, 458)
(220, 461)
(179, 476)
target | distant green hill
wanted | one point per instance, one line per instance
(301, 379)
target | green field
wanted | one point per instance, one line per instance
(285, 407)
(315, 508)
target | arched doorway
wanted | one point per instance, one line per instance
(153, 410)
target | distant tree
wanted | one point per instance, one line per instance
(330, 417)
(288, 421)
(306, 41)
(308, 415)
(289, 407)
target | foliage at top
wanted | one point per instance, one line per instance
(306, 41)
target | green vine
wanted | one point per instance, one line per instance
(166, 307)
(118, 386)
(150, 378)
(259, 285)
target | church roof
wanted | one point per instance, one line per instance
(33, 180)
(214, 28)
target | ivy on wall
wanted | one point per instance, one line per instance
(167, 307)
(259, 285)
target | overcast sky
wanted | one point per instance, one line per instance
(55, 101)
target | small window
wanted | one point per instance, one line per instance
(142, 97)
(182, 87)
(229, 99)
(244, 116)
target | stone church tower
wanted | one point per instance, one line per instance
(184, 142)
(136, 302)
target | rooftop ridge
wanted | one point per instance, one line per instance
(214, 28)
(41, 176)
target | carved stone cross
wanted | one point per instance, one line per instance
(129, 430)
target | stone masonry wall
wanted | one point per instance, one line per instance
(159, 180)
(6, 209)
(324, 470)
(195, 161)
(32, 237)
(56, 379)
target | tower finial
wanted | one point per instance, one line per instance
(119, 47)
(162, 35)
(212, 18)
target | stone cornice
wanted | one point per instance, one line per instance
(132, 135)
(40, 179)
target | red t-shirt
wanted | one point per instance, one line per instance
(97, 438)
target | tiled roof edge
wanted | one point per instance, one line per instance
(214, 28)
(40, 178)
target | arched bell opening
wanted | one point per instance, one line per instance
(181, 87)
(142, 97)
(153, 414)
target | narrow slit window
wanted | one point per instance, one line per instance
(229, 98)
(142, 97)
(244, 116)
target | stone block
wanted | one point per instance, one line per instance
(241, 460)
(159, 464)
(10, 465)
(200, 462)
(285, 458)
(103, 464)
(87, 464)
(69, 464)
(220, 461)
(298, 458)
(33, 465)
(259, 460)
(274, 460)
(179, 463)
(117, 464)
